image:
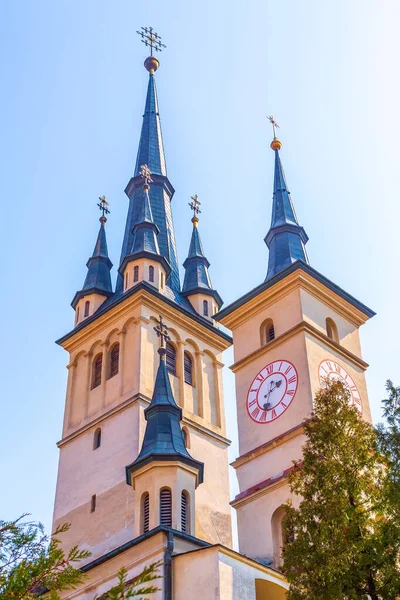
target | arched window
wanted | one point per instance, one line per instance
(87, 307)
(165, 507)
(279, 537)
(77, 315)
(135, 274)
(186, 438)
(188, 368)
(332, 330)
(267, 332)
(205, 308)
(171, 358)
(145, 512)
(151, 273)
(114, 360)
(96, 371)
(126, 280)
(97, 438)
(185, 522)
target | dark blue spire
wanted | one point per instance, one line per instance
(151, 153)
(163, 438)
(285, 239)
(145, 232)
(98, 278)
(197, 279)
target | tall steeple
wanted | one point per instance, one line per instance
(98, 277)
(197, 279)
(151, 153)
(285, 239)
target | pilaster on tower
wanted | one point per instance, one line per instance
(97, 286)
(151, 153)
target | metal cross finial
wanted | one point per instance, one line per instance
(146, 174)
(103, 205)
(194, 205)
(274, 124)
(152, 39)
(162, 331)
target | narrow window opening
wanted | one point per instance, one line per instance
(135, 274)
(77, 315)
(270, 333)
(151, 273)
(185, 434)
(332, 330)
(126, 280)
(188, 368)
(162, 280)
(165, 507)
(185, 512)
(87, 308)
(97, 368)
(93, 503)
(97, 439)
(114, 360)
(145, 512)
(205, 308)
(171, 358)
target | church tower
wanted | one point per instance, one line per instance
(144, 443)
(288, 333)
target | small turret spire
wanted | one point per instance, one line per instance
(98, 278)
(285, 239)
(163, 439)
(197, 279)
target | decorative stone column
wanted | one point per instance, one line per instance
(180, 371)
(121, 336)
(104, 371)
(88, 357)
(199, 383)
(70, 393)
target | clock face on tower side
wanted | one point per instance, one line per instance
(271, 391)
(331, 369)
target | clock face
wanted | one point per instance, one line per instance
(271, 391)
(331, 369)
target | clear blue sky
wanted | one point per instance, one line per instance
(73, 90)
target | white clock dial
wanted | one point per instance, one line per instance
(332, 370)
(271, 391)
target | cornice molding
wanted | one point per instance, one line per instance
(307, 328)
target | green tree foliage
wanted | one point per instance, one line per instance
(140, 586)
(31, 561)
(343, 540)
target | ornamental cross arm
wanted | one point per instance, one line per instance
(152, 39)
(162, 331)
(103, 204)
(146, 174)
(194, 205)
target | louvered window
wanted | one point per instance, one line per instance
(136, 274)
(188, 368)
(151, 274)
(97, 368)
(114, 360)
(171, 359)
(97, 439)
(270, 333)
(87, 307)
(145, 513)
(185, 512)
(165, 508)
(205, 308)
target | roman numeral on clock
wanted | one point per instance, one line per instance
(252, 403)
(270, 369)
(292, 379)
(263, 417)
(255, 413)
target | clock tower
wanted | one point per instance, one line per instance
(291, 331)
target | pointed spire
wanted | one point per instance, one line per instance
(163, 438)
(98, 277)
(145, 231)
(197, 278)
(285, 239)
(151, 153)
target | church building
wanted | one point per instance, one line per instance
(143, 467)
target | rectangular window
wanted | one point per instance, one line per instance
(93, 503)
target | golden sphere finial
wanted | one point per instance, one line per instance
(195, 220)
(151, 64)
(276, 144)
